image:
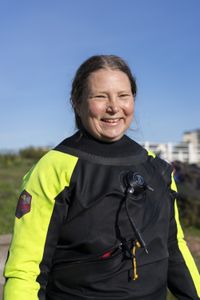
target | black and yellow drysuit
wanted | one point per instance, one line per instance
(74, 238)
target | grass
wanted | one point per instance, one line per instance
(10, 181)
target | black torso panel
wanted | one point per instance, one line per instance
(97, 218)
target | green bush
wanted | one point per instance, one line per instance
(188, 184)
(33, 152)
(9, 159)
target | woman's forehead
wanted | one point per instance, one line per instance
(108, 78)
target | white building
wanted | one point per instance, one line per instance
(188, 150)
(192, 137)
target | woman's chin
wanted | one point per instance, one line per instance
(111, 136)
(107, 133)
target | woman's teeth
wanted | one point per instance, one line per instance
(110, 120)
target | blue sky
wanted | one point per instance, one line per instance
(44, 42)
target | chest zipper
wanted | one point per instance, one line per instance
(109, 254)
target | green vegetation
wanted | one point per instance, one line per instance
(12, 169)
(10, 181)
(188, 183)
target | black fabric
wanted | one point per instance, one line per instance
(122, 152)
(177, 262)
(97, 224)
(59, 213)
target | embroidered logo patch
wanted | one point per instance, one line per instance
(24, 204)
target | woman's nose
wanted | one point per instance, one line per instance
(113, 105)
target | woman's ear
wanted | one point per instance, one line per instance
(77, 109)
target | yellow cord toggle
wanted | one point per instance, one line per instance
(135, 275)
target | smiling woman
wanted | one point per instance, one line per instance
(106, 110)
(100, 218)
(83, 88)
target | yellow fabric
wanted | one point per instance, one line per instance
(189, 261)
(150, 153)
(44, 182)
(135, 274)
(184, 249)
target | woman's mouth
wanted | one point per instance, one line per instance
(111, 120)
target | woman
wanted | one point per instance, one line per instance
(97, 217)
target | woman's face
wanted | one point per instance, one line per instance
(107, 108)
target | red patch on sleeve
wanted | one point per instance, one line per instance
(24, 204)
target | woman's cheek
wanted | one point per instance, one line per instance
(96, 109)
(129, 108)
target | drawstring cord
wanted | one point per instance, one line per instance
(139, 240)
(134, 227)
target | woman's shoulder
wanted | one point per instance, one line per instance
(51, 166)
(163, 167)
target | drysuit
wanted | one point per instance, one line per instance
(80, 234)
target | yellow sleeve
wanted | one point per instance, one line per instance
(35, 230)
(183, 277)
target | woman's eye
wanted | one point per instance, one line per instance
(100, 96)
(124, 95)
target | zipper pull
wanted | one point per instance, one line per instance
(135, 247)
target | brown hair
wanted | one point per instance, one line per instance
(92, 64)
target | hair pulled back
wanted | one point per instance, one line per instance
(92, 64)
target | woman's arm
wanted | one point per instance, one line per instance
(183, 276)
(41, 209)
